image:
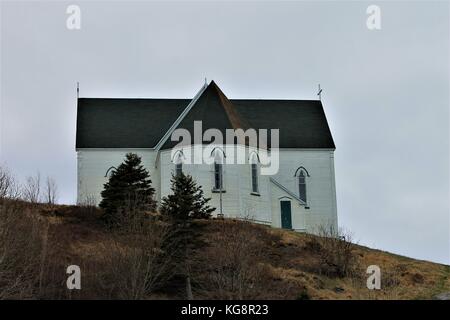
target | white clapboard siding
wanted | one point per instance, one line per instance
(238, 200)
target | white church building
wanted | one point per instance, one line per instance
(300, 194)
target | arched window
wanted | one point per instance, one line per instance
(218, 175)
(178, 160)
(255, 187)
(219, 156)
(302, 185)
(254, 158)
(302, 174)
(109, 171)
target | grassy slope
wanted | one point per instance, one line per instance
(291, 266)
(402, 277)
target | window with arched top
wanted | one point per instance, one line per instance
(219, 156)
(255, 187)
(254, 159)
(302, 186)
(178, 160)
(218, 176)
(302, 174)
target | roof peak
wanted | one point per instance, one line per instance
(235, 119)
(213, 84)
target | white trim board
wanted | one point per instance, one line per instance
(293, 195)
(179, 119)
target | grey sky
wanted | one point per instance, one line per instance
(386, 92)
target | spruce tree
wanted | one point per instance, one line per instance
(186, 203)
(128, 191)
(187, 200)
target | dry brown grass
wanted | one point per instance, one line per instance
(23, 244)
(230, 266)
(235, 260)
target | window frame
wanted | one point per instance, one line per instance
(218, 176)
(302, 186)
(218, 184)
(178, 160)
(254, 178)
(178, 169)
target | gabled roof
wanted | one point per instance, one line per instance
(214, 110)
(142, 123)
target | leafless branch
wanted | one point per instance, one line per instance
(51, 191)
(32, 189)
(9, 187)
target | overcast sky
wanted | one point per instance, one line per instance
(386, 92)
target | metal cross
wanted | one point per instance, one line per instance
(320, 93)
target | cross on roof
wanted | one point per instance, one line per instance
(320, 93)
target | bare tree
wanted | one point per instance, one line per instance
(136, 261)
(9, 188)
(51, 191)
(336, 250)
(88, 201)
(229, 267)
(32, 189)
(21, 252)
(5, 182)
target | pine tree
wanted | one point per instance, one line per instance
(187, 200)
(128, 190)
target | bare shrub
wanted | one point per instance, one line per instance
(51, 191)
(9, 187)
(335, 250)
(135, 263)
(88, 201)
(229, 268)
(32, 189)
(22, 252)
(87, 207)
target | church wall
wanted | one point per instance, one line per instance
(93, 164)
(237, 199)
(320, 185)
(298, 211)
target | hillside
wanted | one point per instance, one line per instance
(233, 260)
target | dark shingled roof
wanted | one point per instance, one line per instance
(141, 123)
(302, 123)
(125, 123)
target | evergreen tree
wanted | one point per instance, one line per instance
(186, 201)
(128, 191)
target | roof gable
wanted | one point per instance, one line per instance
(215, 110)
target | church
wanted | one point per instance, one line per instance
(285, 180)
